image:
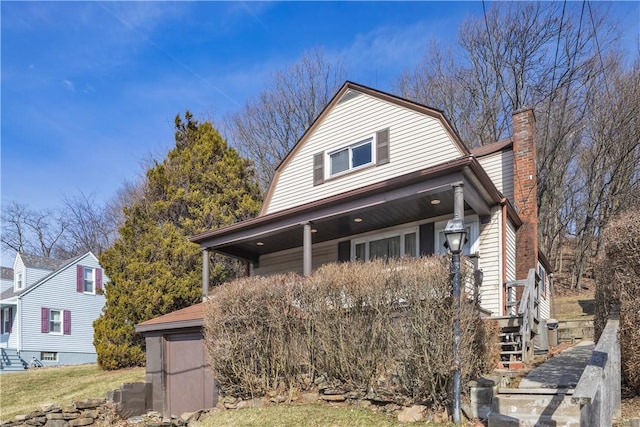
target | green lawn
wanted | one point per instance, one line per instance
(23, 392)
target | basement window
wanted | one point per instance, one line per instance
(48, 356)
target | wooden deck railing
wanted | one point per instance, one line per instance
(598, 391)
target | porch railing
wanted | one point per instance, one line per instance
(526, 308)
(598, 390)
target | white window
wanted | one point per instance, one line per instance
(352, 157)
(19, 281)
(392, 244)
(542, 290)
(6, 320)
(88, 275)
(49, 356)
(472, 224)
(55, 322)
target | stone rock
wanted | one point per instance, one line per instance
(412, 414)
(56, 423)
(21, 418)
(89, 403)
(135, 420)
(322, 386)
(69, 408)
(90, 414)
(155, 414)
(309, 397)
(185, 416)
(50, 407)
(229, 405)
(55, 416)
(320, 379)
(278, 399)
(81, 422)
(38, 421)
(251, 403)
(332, 390)
(356, 395)
(70, 415)
(333, 397)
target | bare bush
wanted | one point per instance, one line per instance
(617, 282)
(375, 326)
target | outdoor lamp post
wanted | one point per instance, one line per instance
(456, 235)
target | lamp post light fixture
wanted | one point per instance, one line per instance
(456, 234)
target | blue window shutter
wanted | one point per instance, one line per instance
(66, 324)
(2, 322)
(44, 323)
(80, 279)
(98, 279)
(10, 319)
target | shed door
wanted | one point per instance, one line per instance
(190, 386)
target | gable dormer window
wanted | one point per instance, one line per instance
(352, 157)
(373, 150)
(19, 281)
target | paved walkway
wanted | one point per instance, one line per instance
(562, 370)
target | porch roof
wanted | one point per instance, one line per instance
(384, 204)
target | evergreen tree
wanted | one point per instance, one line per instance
(153, 269)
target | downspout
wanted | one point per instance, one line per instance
(205, 274)
(19, 322)
(504, 256)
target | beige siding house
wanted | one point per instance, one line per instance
(374, 177)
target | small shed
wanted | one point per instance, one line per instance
(178, 378)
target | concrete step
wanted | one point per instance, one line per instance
(10, 360)
(499, 420)
(531, 405)
(574, 330)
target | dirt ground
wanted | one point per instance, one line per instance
(630, 410)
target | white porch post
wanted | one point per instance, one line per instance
(205, 274)
(458, 201)
(306, 250)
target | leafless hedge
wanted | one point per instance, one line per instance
(618, 281)
(369, 327)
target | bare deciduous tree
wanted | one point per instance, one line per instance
(267, 127)
(547, 56)
(33, 231)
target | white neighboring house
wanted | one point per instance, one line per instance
(49, 311)
(6, 278)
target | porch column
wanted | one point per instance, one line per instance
(306, 250)
(205, 274)
(458, 201)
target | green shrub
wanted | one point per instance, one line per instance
(618, 283)
(371, 326)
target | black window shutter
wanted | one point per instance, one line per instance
(382, 146)
(427, 239)
(318, 168)
(344, 251)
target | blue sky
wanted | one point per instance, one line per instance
(89, 90)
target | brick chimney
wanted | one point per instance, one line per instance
(525, 191)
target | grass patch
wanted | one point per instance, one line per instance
(570, 307)
(309, 415)
(23, 392)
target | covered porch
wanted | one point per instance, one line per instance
(402, 216)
